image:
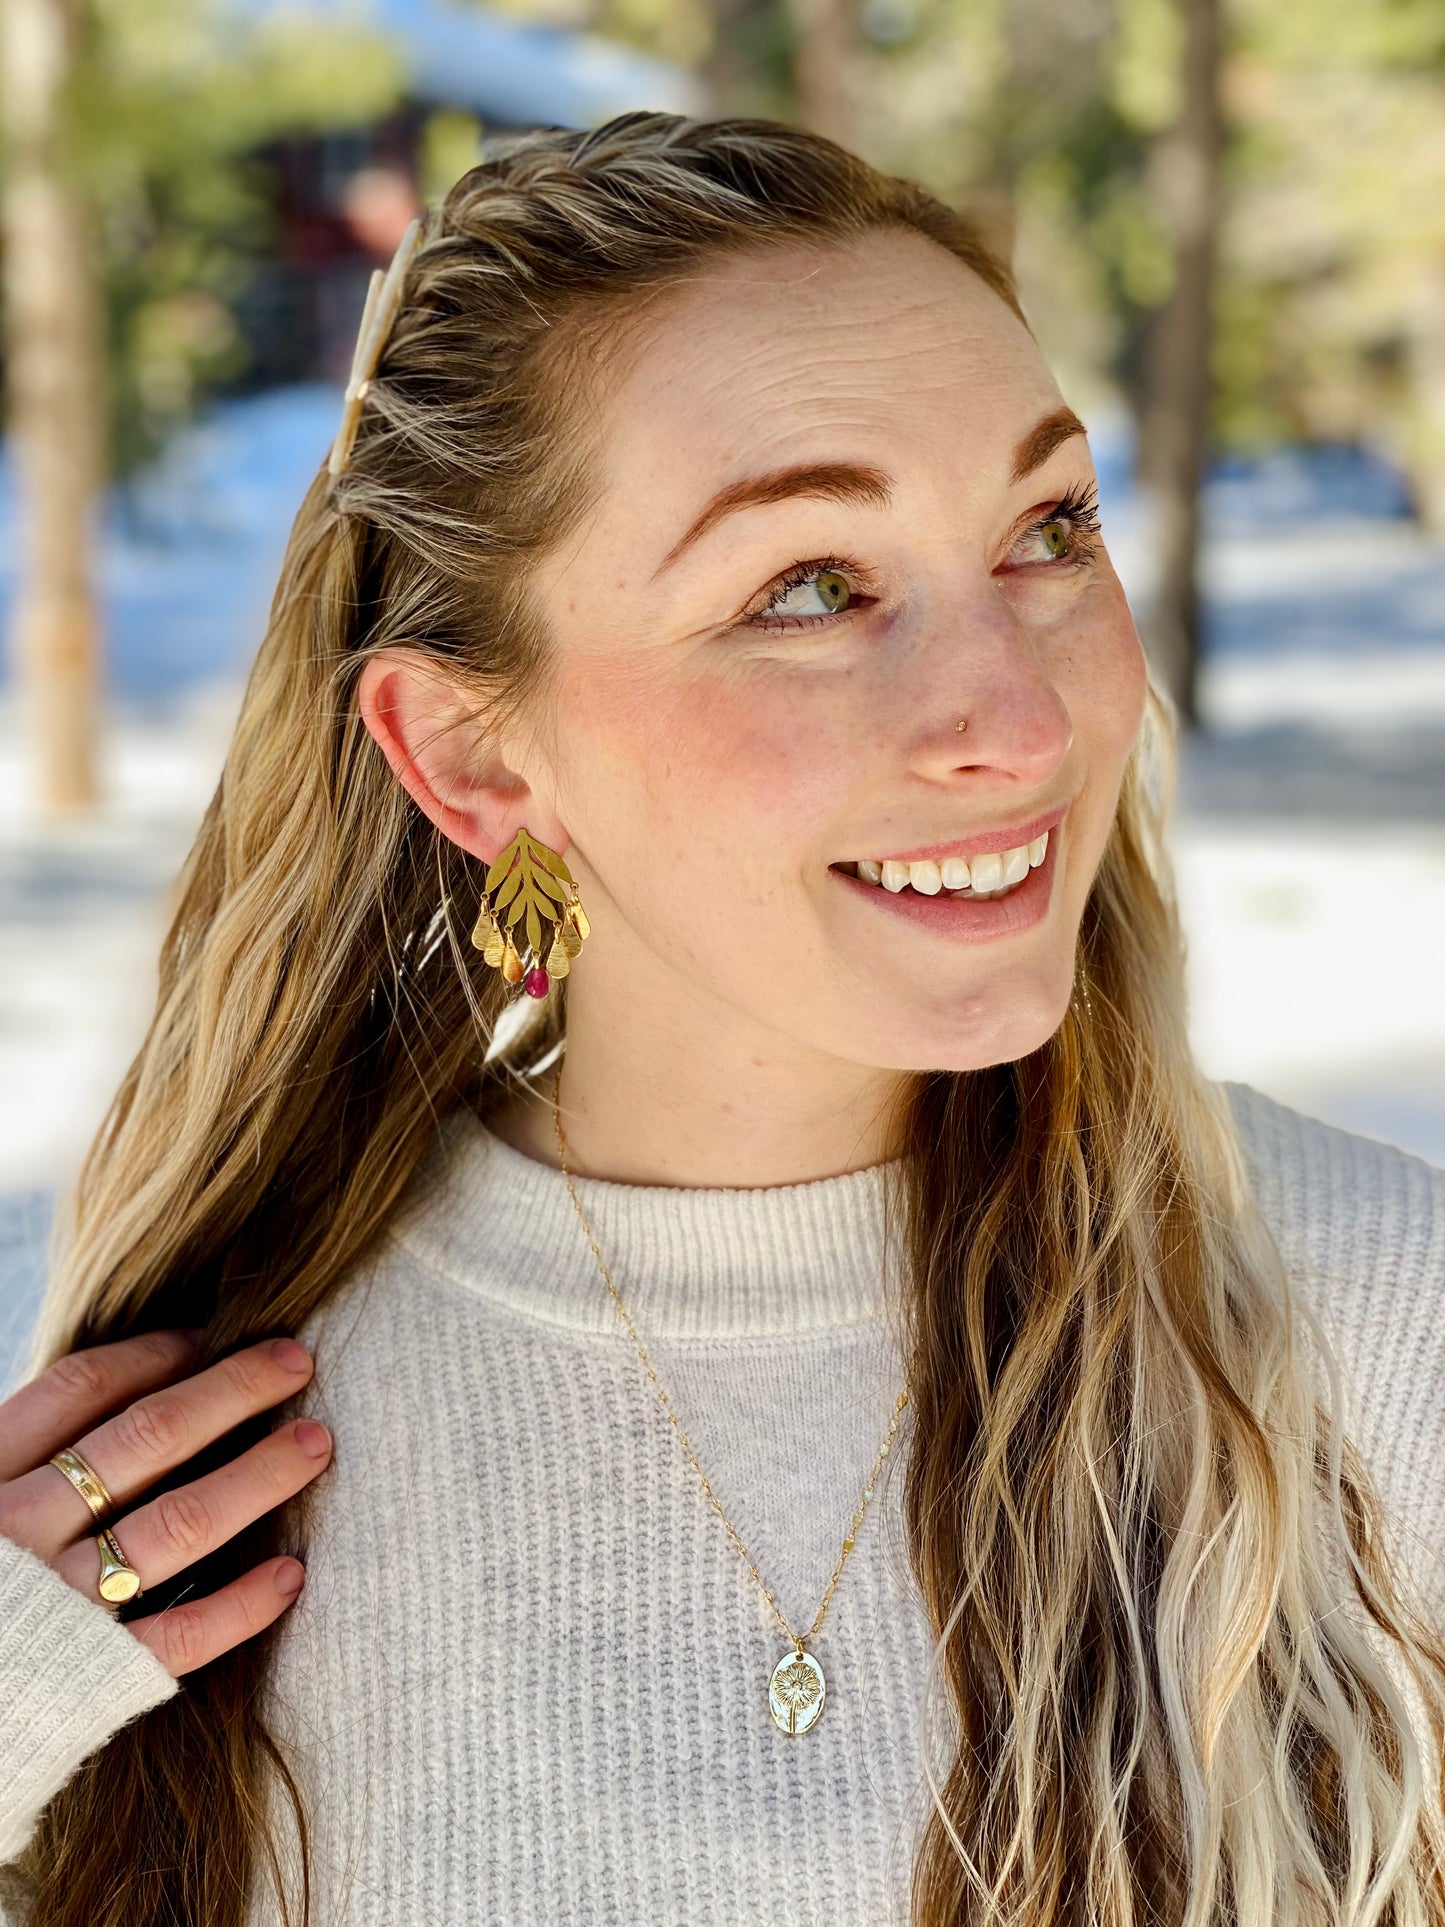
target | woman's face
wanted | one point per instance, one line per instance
(843, 509)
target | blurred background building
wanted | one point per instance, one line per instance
(1228, 221)
(341, 197)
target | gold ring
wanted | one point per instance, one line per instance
(86, 1480)
(119, 1579)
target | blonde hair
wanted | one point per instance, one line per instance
(1169, 1643)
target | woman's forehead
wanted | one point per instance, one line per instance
(888, 331)
(751, 314)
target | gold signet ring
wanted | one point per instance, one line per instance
(86, 1480)
(119, 1579)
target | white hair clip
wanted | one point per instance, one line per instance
(382, 298)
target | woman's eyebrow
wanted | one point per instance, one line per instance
(857, 482)
(1042, 439)
(828, 481)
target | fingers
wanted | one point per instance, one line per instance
(153, 1435)
(76, 1391)
(181, 1526)
(190, 1634)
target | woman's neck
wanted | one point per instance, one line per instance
(625, 1146)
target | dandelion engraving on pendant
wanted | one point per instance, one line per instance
(796, 1692)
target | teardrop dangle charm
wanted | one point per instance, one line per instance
(559, 962)
(484, 930)
(511, 962)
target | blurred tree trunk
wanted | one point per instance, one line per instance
(1424, 457)
(53, 337)
(1051, 81)
(1184, 174)
(827, 67)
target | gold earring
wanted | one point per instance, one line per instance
(529, 881)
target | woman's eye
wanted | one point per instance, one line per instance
(1055, 536)
(1063, 535)
(807, 594)
(828, 586)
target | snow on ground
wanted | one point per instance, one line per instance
(1309, 833)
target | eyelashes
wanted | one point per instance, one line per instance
(794, 578)
(1078, 509)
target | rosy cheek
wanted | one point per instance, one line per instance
(760, 747)
(1124, 678)
(1107, 675)
(715, 762)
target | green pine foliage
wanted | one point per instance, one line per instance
(170, 102)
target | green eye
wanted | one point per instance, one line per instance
(831, 580)
(1064, 533)
(1055, 536)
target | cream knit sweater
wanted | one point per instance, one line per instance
(526, 1679)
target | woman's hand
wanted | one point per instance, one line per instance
(163, 1420)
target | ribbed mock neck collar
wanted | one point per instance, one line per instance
(689, 1261)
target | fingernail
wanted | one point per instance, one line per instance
(289, 1576)
(288, 1353)
(313, 1439)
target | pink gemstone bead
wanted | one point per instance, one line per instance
(535, 982)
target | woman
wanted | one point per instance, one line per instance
(851, 1451)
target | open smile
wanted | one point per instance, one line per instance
(993, 894)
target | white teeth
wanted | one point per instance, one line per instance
(986, 875)
(987, 871)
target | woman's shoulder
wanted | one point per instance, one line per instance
(1360, 1225)
(1346, 1208)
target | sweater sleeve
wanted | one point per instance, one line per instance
(70, 1676)
(1361, 1227)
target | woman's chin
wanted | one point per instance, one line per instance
(968, 1033)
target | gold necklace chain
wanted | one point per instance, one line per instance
(796, 1689)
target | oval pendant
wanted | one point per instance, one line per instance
(796, 1691)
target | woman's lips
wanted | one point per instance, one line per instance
(968, 919)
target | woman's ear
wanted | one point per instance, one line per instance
(428, 729)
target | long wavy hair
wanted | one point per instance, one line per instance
(1173, 1654)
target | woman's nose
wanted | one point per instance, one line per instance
(992, 676)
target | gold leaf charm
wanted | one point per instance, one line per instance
(531, 862)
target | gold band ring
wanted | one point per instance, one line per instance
(119, 1579)
(87, 1482)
